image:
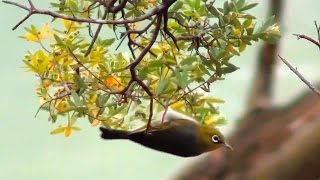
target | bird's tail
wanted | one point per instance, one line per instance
(113, 134)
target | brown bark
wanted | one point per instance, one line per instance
(263, 83)
(274, 143)
(270, 143)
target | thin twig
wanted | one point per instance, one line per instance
(302, 36)
(318, 30)
(95, 35)
(166, 30)
(135, 63)
(50, 100)
(32, 10)
(115, 9)
(148, 47)
(74, 57)
(294, 70)
(192, 90)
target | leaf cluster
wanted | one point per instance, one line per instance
(170, 60)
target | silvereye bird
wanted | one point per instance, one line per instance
(182, 137)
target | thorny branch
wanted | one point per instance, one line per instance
(33, 10)
(302, 36)
(314, 41)
(294, 70)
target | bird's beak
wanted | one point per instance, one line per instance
(228, 146)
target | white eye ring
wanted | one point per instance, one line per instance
(215, 138)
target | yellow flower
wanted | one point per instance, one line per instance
(37, 62)
(43, 100)
(62, 106)
(70, 26)
(93, 98)
(178, 105)
(229, 48)
(274, 30)
(93, 109)
(210, 120)
(164, 46)
(113, 82)
(133, 26)
(67, 130)
(146, 4)
(37, 36)
(46, 32)
(151, 3)
(95, 122)
(86, 10)
(97, 56)
(31, 37)
(46, 83)
(236, 32)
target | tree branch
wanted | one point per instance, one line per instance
(296, 159)
(318, 30)
(304, 80)
(95, 35)
(32, 10)
(166, 30)
(118, 8)
(134, 64)
(267, 57)
(301, 36)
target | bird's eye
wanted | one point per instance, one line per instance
(215, 138)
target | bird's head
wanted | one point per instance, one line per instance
(211, 138)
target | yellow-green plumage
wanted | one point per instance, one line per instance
(181, 137)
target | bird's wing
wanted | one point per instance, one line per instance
(172, 118)
(158, 126)
(172, 115)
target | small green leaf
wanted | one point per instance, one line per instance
(58, 40)
(53, 118)
(75, 128)
(177, 6)
(221, 121)
(197, 4)
(247, 23)
(204, 69)
(249, 6)
(240, 3)
(229, 69)
(81, 85)
(226, 8)
(265, 25)
(102, 99)
(76, 99)
(214, 11)
(117, 110)
(107, 42)
(58, 130)
(163, 84)
(182, 78)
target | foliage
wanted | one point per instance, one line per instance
(174, 51)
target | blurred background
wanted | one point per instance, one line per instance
(28, 151)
